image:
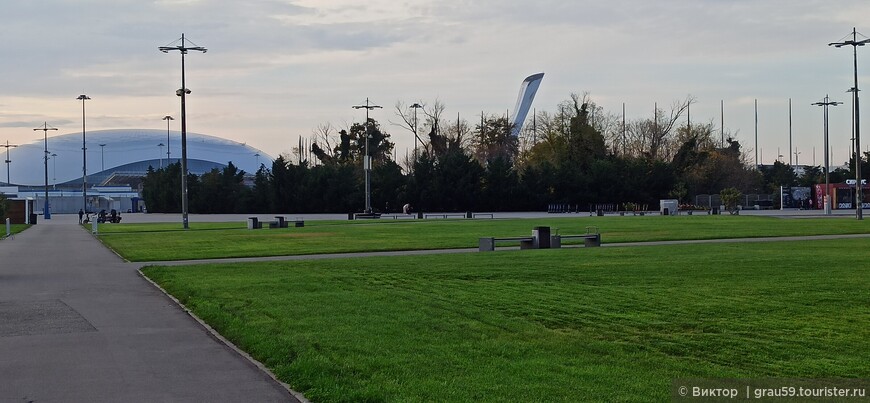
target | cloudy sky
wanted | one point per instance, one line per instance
(276, 69)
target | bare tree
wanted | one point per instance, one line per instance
(656, 138)
(322, 143)
(407, 114)
(433, 125)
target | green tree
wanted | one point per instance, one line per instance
(494, 139)
(161, 189)
(731, 198)
(4, 206)
(781, 174)
(221, 191)
(500, 186)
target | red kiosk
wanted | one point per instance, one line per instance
(842, 195)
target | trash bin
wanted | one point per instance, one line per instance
(542, 237)
(715, 210)
(666, 211)
(253, 223)
(32, 218)
(350, 216)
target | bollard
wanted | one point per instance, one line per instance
(94, 227)
(8, 228)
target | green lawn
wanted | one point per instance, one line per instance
(16, 228)
(156, 242)
(603, 324)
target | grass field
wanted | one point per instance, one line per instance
(16, 228)
(157, 242)
(604, 324)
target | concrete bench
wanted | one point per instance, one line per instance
(254, 223)
(280, 222)
(488, 244)
(444, 215)
(590, 240)
(475, 215)
(399, 216)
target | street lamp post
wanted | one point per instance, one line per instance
(46, 210)
(54, 171)
(102, 157)
(167, 118)
(367, 162)
(8, 161)
(825, 104)
(854, 43)
(182, 92)
(84, 98)
(415, 106)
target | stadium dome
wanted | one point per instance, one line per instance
(124, 151)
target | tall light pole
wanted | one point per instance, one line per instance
(54, 171)
(45, 128)
(825, 104)
(167, 118)
(854, 43)
(756, 136)
(182, 92)
(102, 157)
(722, 115)
(789, 132)
(367, 162)
(415, 106)
(84, 98)
(8, 161)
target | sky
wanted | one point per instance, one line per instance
(275, 70)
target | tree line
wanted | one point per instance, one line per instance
(578, 155)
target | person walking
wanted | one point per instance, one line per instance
(81, 214)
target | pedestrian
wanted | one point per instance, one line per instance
(406, 209)
(81, 214)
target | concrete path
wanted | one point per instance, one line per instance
(77, 324)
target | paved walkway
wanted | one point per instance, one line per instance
(77, 324)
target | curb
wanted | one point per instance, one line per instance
(217, 336)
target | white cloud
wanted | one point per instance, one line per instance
(276, 69)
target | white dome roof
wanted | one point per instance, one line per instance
(122, 147)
